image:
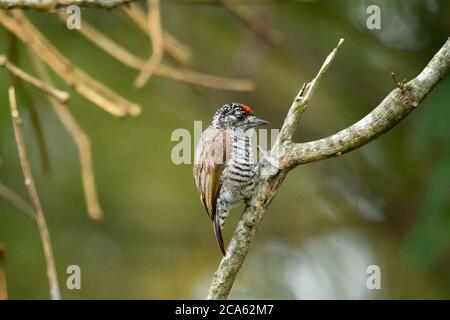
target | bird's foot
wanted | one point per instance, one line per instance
(266, 157)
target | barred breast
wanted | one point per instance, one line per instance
(240, 168)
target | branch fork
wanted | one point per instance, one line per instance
(285, 155)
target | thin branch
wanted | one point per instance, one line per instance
(203, 79)
(12, 55)
(81, 140)
(80, 81)
(155, 33)
(395, 107)
(55, 4)
(37, 128)
(172, 46)
(400, 85)
(163, 70)
(302, 100)
(253, 22)
(285, 155)
(59, 95)
(14, 199)
(109, 46)
(32, 191)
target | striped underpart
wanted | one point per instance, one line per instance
(240, 166)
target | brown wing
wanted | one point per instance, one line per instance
(211, 156)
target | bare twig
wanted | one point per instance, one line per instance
(301, 101)
(204, 79)
(286, 155)
(59, 95)
(253, 22)
(81, 140)
(155, 33)
(400, 85)
(54, 4)
(395, 107)
(16, 200)
(32, 191)
(12, 55)
(172, 46)
(163, 70)
(80, 81)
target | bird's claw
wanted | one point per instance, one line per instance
(269, 159)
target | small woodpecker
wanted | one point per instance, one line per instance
(224, 171)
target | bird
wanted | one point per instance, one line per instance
(224, 170)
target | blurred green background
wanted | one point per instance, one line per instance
(387, 203)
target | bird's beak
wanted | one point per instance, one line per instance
(255, 122)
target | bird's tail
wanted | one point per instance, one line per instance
(219, 238)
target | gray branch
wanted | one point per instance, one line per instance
(286, 155)
(54, 4)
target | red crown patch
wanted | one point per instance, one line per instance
(246, 108)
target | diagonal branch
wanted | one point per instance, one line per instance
(93, 90)
(156, 37)
(173, 46)
(163, 70)
(253, 22)
(32, 192)
(81, 140)
(395, 107)
(12, 55)
(204, 79)
(14, 199)
(302, 100)
(55, 4)
(59, 95)
(285, 155)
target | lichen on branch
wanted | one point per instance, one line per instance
(286, 155)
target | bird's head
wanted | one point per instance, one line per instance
(236, 115)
